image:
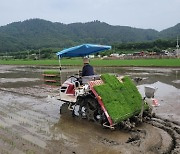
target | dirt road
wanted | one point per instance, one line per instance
(30, 122)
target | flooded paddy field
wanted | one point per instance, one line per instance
(30, 121)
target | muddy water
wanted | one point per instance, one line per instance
(30, 120)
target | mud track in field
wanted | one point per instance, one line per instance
(172, 128)
(30, 123)
(24, 122)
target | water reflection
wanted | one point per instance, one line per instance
(169, 76)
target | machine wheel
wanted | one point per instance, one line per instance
(64, 108)
(93, 111)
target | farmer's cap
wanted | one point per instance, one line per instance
(85, 60)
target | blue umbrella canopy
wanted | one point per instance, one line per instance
(82, 50)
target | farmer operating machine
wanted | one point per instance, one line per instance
(110, 100)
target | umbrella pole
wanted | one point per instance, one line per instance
(60, 68)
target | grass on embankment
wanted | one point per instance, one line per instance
(51, 72)
(98, 62)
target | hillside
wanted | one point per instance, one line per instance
(38, 33)
(171, 32)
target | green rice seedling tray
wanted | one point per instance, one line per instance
(52, 77)
(121, 99)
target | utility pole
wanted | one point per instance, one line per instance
(28, 54)
(177, 46)
(39, 54)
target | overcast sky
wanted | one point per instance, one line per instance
(155, 14)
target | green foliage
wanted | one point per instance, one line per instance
(121, 99)
(155, 46)
(54, 72)
(171, 32)
(36, 34)
(45, 53)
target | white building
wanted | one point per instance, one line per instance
(91, 56)
(177, 52)
(114, 55)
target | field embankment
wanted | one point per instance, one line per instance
(98, 62)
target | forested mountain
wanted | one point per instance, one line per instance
(171, 32)
(38, 33)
